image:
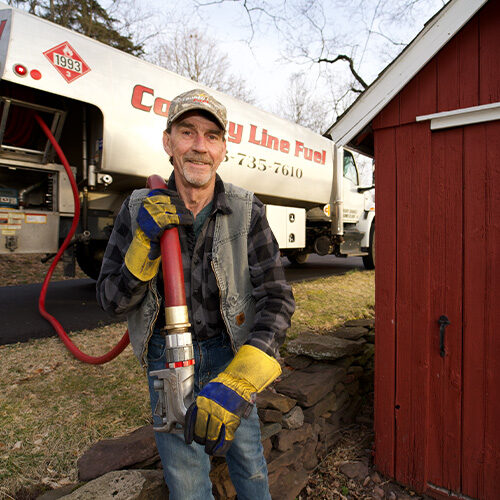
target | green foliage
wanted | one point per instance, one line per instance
(87, 17)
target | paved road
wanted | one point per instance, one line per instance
(74, 305)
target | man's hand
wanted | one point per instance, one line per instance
(160, 210)
(213, 419)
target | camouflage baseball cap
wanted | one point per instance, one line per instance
(196, 99)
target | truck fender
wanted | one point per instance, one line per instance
(364, 225)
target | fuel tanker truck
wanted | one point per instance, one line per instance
(107, 110)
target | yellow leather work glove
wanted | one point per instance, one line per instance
(213, 419)
(161, 209)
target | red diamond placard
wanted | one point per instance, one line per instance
(67, 61)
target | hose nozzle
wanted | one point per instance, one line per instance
(175, 383)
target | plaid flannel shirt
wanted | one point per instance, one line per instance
(118, 291)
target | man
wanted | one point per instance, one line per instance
(238, 300)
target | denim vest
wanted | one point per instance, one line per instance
(229, 264)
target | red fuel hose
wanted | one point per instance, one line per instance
(171, 259)
(81, 356)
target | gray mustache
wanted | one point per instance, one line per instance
(199, 159)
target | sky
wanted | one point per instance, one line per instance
(262, 62)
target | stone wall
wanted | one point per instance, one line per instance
(324, 382)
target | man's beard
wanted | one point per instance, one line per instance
(197, 179)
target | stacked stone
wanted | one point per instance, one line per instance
(324, 381)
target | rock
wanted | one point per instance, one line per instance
(352, 388)
(368, 354)
(376, 477)
(285, 459)
(356, 371)
(362, 419)
(378, 492)
(268, 430)
(284, 440)
(367, 323)
(309, 457)
(350, 332)
(267, 415)
(351, 412)
(341, 401)
(293, 419)
(355, 470)
(270, 399)
(321, 407)
(370, 337)
(329, 434)
(308, 386)
(219, 475)
(124, 485)
(268, 446)
(287, 484)
(323, 347)
(298, 362)
(118, 453)
(345, 362)
(335, 419)
(340, 387)
(57, 493)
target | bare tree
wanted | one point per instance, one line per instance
(301, 104)
(193, 54)
(347, 36)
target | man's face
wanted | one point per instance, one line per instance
(197, 147)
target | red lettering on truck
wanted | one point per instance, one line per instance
(139, 99)
(143, 98)
(137, 96)
(2, 26)
(234, 132)
(309, 154)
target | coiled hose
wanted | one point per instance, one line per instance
(77, 353)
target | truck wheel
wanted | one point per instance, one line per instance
(89, 257)
(369, 260)
(298, 257)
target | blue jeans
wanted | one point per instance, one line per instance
(186, 467)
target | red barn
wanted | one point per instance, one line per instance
(432, 122)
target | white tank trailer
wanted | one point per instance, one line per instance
(107, 109)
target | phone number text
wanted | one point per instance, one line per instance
(260, 164)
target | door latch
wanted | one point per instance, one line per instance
(443, 323)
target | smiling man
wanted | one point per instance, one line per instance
(238, 300)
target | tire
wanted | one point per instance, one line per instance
(89, 257)
(369, 260)
(298, 258)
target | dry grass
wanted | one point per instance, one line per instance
(52, 407)
(23, 269)
(326, 303)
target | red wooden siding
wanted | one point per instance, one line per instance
(385, 292)
(437, 420)
(481, 341)
(444, 405)
(412, 288)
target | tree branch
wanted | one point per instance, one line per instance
(343, 57)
